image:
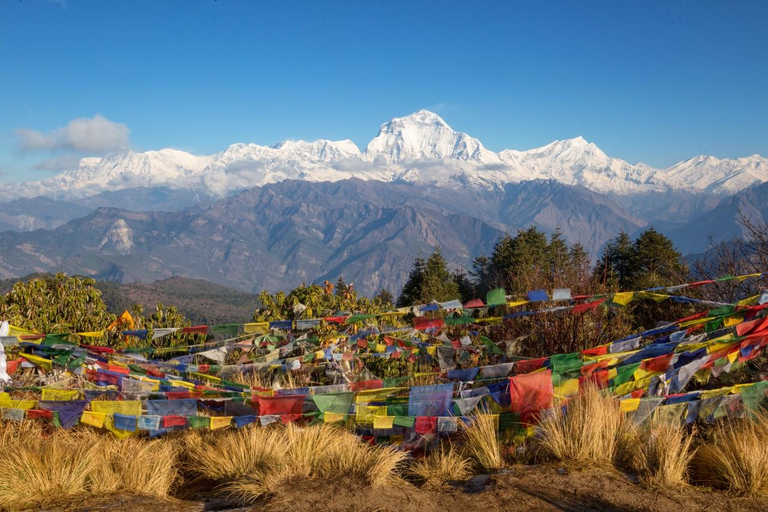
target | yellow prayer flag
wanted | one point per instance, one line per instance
(365, 414)
(20, 331)
(94, 419)
(516, 303)
(220, 422)
(381, 348)
(431, 350)
(130, 407)
(629, 405)
(18, 404)
(333, 417)
(383, 422)
(733, 320)
(59, 394)
(623, 298)
(182, 384)
(658, 297)
(204, 376)
(748, 301)
(45, 364)
(91, 334)
(256, 328)
(567, 389)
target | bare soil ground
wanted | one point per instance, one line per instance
(525, 488)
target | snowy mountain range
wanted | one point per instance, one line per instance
(420, 149)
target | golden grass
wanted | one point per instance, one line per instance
(736, 457)
(250, 462)
(664, 454)
(482, 441)
(441, 466)
(592, 430)
(53, 469)
(137, 466)
(40, 468)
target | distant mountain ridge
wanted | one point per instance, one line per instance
(280, 235)
(420, 148)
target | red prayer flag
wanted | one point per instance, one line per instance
(474, 303)
(587, 306)
(195, 329)
(366, 384)
(12, 366)
(425, 424)
(596, 351)
(118, 369)
(288, 404)
(531, 392)
(656, 364)
(427, 323)
(39, 413)
(529, 365)
(180, 395)
(174, 421)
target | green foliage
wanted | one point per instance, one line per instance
(651, 260)
(56, 304)
(528, 261)
(429, 280)
(315, 301)
(62, 304)
(385, 298)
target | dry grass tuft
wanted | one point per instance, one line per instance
(41, 468)
(592, 430)
(736, 457)
(250, 462)
(665, 452)
(441, 466)
(137, 466)
(482, 441)
(53, 469)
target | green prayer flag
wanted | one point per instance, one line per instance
(228, 329)
(357, 318)
(404, 421)
(624, 373)
(754, 397)
(722, 310)
(397, 409)
(338, 403)
(566, 363)
(199, 421)
(497, 297)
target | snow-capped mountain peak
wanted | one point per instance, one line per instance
(425, 135)
(418, 148)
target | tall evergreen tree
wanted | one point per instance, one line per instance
(429, 280)
(341, 286)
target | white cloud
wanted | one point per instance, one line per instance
(95, 135)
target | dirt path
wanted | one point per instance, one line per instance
(524, 488)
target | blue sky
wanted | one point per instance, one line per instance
(646, 81)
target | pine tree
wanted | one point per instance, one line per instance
(341, 286)
(655, 262)
(412, 288)
(429, 280)
(483, 279)
(384, 298)
(613, 269)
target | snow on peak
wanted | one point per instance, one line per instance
(420, 147)
(424, 135)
